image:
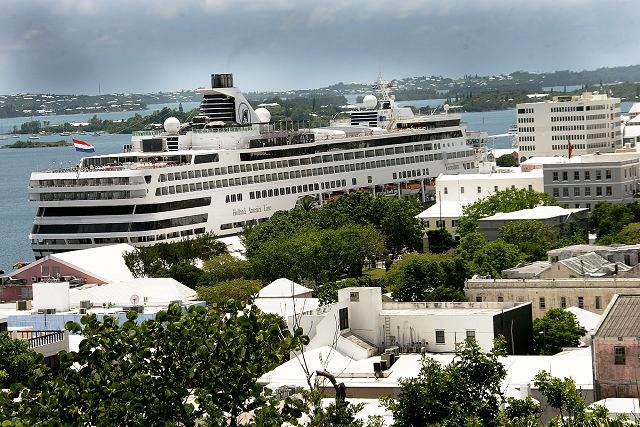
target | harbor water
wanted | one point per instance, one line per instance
(16, 216)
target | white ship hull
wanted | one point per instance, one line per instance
(179, 184)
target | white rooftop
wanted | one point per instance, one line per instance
(152, 291)
(446, 209)
(286, 307)
(521, 370)
(539, 212)
(104, 262)
(234, 246)
(586, 319)
(282, 288)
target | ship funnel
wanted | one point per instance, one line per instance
(221, 80)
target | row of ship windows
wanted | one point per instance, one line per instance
(557, 147)
(87, 195)
(526, 138)
(91, 182)
(527, 147)
(113, 240)
(326, 158)
(526, 129)
(304, 173)
(119, 227)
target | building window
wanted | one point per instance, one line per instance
(479, 190)
(471, 334)
(500, 299)
(478, 299)
(565, 175)
(598, 303)
(619, 355)
(609, 191)
(555, 176)
(495, 188)
(461, 190)
(445, 190)
(576, 175)
(598, 175)
(563, 302)
(530, 187)
(580, 302)
(587, 191)
(344, 318)
(576, 191)
(587, 175)
(565, 192)
(354, 296)
(556, 192)
(541, 302)
(439, 336)
(598, 191)
(607, 174)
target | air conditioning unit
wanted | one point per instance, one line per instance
(46, 311)
(85, 304)
(82, 310)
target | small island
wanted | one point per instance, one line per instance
(38, 144)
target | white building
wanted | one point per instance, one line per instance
(360, 325)
(589, 123)
(287, 299)
(453, 192)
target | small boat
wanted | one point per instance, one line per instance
(65, 133)
(15, 136)
(33, 137)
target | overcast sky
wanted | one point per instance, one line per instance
(82, 46)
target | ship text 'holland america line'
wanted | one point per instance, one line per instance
(231, 167)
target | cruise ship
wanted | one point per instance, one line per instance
(231, 167)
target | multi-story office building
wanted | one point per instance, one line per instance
(586, 123)
(583, 181)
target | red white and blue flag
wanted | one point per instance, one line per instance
(83, 146)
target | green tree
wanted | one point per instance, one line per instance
(146, 373)
(440, 241)
(558, 328)
(236, 289)
(608, 219)
(508, 200)
(226, 267)
(18, 360)
(496, 256)
(630, 234)
(465, 392)
(413, 277)
(533, 238)
(506, 161)
(562, 395)
(158, 260)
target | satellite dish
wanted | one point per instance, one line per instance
(134, 299)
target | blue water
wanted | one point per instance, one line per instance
(16, 216)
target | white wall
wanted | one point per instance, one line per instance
(51, 295)
(417, 327)
(364, 314)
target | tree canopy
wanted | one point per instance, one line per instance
(508, 200)
(558, 328)
(463, 393)
(170, 370)
(18, 360)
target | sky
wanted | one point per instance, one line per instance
(123, 46)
